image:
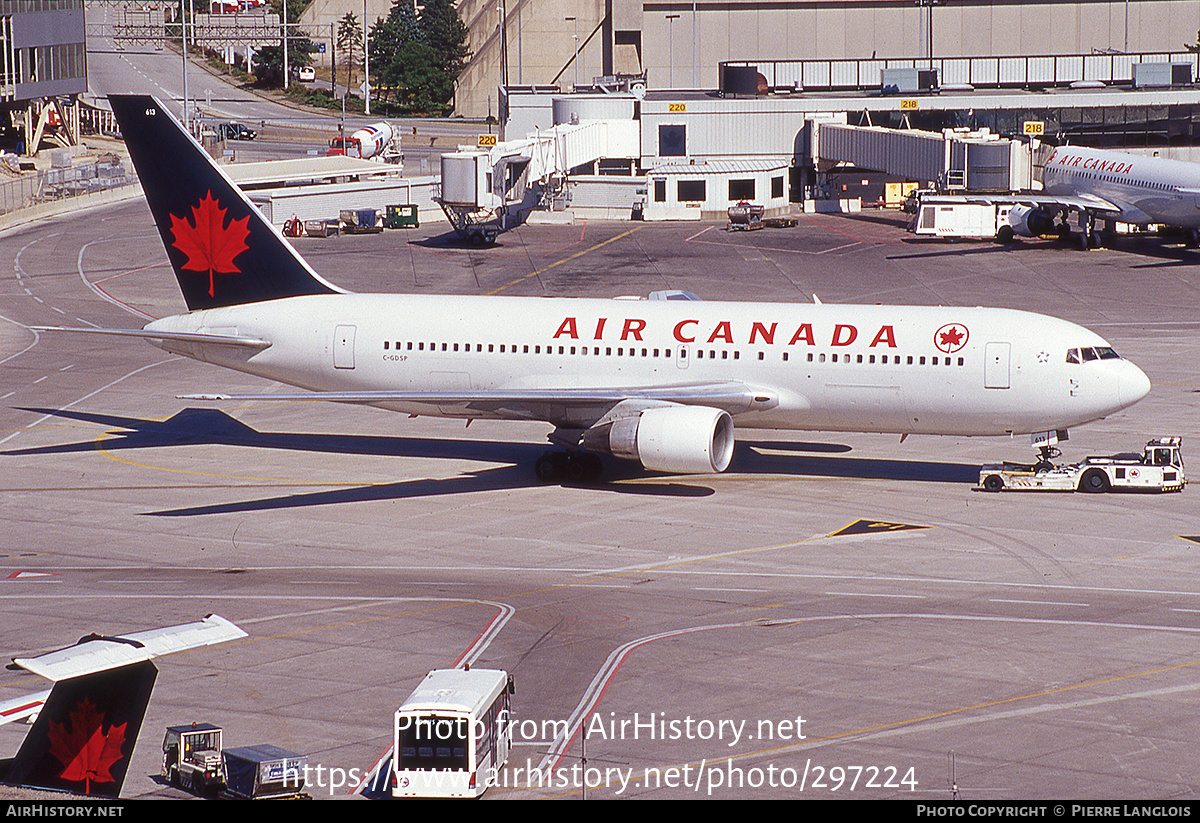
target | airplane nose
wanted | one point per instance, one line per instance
(1132, 385)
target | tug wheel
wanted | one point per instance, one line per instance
(1094, 481)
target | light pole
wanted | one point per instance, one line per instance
(695, 37)
(929, 4)
(575, 20)
(286, 73)
(503, 45)
(671, 18)
(366, 62)
(183, 18)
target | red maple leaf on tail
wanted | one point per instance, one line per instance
(86, 752)
(209, 244)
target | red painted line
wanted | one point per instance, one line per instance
(478, 637)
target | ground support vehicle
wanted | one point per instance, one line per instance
(452, 734)
(361, 221)
(1159, 468)
(746, 216)
(264, 771)
(192, 757)
(784, 222)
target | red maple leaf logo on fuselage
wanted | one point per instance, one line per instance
(209, 244)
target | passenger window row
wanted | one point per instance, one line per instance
(698, 354)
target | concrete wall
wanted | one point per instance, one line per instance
(541, 41)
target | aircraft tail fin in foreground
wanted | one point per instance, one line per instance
(84, 728)
(83, 738)
(224, 251)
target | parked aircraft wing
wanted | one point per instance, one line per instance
(95, 652)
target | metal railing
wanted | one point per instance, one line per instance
(1044, 71)
(65, 183)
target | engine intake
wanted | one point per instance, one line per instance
(676, 439)
(1030, 221)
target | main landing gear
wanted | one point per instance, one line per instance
(1088, 237)
(573, 467)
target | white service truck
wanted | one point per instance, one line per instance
(1159, 468)
(984, 217)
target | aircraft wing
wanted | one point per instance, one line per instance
(96, 653)
(533, 403)
(1076, 202)
(23, 707)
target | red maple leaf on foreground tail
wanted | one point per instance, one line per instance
(209, 245)
(86, 752)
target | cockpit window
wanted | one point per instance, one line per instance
(1089, 354)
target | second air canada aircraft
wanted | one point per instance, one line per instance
(662, 381)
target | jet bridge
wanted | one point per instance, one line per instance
(489, 190)
(953, 160)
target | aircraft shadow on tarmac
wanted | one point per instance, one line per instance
(1165, 249)
(193, 426)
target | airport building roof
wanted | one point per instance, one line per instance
(304, 168)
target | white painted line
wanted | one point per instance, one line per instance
(875, 594)
(1041, 602)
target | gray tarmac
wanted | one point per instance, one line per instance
(697, 636)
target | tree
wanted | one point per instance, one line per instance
(349, 41)
(446, 35)
(268, 61)
(416, 58)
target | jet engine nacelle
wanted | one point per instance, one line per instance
(1030, 221)
(676, 439)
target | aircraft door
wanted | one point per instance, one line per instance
(343, 347)
(681, 359)
(996, 365)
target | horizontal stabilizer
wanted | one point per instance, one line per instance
(186, 337)
(96, 653)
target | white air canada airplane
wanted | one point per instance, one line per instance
(661, 381)
(1130, 188)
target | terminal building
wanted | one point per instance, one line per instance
(729, 99)
(981, 121)
(43, 64)
(681, 43)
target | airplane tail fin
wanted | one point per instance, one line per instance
(83, 737)
(223, 250)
